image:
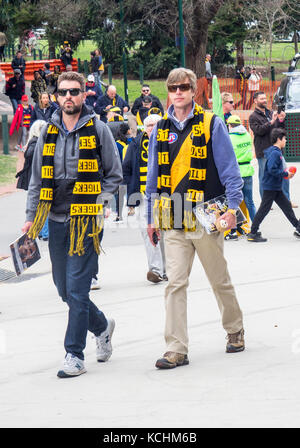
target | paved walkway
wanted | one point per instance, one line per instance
(257, 388)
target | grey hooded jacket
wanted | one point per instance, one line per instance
(66, 164)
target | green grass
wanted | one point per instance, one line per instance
(134, 88)
(8, 167)
(282, 53)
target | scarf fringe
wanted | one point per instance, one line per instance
(82, 222)
(42, 213)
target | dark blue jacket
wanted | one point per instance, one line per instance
(91, 100)
(41, 114)
(131, 168)
(104, 101)
(274, 173)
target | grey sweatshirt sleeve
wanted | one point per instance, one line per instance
(110, 160)
(35, 183)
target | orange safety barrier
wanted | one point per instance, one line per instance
(242, 97)
(32, 66)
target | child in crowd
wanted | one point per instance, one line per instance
(272, 186)
(22, 120)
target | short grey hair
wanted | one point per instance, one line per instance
(153, 118)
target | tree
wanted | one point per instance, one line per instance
(228, 28)
(263, 17)
(197, 16)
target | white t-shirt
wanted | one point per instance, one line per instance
(253, 82)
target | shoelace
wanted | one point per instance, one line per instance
(70, 361)
(101, 341)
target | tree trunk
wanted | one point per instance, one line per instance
(195, 52)
(240, 60)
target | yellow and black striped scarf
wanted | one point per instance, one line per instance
(188, 169)
(143, 162)
(86, 189)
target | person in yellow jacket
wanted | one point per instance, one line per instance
(242, 145)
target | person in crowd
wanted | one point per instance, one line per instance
(15, 89)
(242, 144)
(66, 53)
(38, 85)
(253, 85)
(110, 99)
(98, 55)
(18, 62)
(242, 79)
(228, 105)
(208, 74)
(135, 175)
(191, 159)
(3, 43)
(114, 120)
(155, 102)
(123, 138)
(93, 92)
(44, 109)
(45, 73)
(52, 88)
(262, 121)
(65, 186)
(272, 187)
(24, 174)
(69, 68)
(96, 66)
(145, 111)
(21, 121)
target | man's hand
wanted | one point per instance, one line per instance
(26, 226)
(290, 175)
(274, 117)
(281, 116)
(230, 220)
(153, 233)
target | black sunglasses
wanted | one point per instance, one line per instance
(73, 92)
(230, 102)
(181, 87)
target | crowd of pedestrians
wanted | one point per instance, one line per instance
(80, 144)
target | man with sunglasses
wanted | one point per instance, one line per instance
(138, 102)
(228, 105)
(191, 160)
(75, 159)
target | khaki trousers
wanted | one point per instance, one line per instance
(180, 250)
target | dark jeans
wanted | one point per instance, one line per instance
(281, 200)
(72, 277)
(248, 197)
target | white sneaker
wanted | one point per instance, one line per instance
(103, 342)
(95, 284)
(72, 366)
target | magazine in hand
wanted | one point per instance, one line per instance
(25, 252)
(208, 212)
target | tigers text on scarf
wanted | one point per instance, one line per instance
(86, 189)
(189, 166)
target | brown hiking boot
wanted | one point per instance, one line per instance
(235, 342)
(171, 360)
